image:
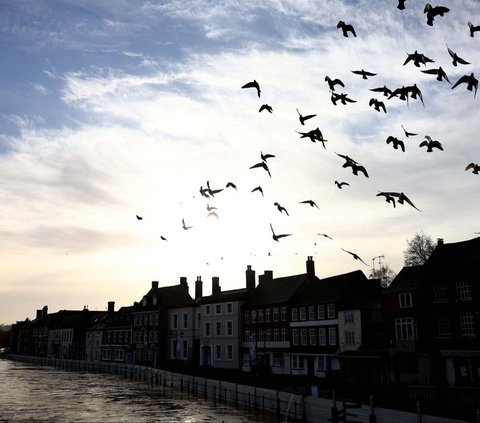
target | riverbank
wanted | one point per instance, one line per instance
(296, 405)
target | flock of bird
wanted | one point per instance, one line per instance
(403, 93)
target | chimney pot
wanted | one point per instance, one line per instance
(39, 314)
(154, 284)
(111, 307)
(250, 278)
(216, 285)
(310, 266)
(198, 287)
(45, 310)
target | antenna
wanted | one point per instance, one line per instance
(379, 261)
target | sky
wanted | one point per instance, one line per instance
(121, 108)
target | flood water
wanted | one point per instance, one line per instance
(45, 394)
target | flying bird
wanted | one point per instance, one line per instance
(384, 90)
(475, 168)
(389, 198)
(431, 144)
(365, 74)
(358, 168)
(355, 256)
(139, 217)
(396, 143)
(210, 208)
(314, 135)
(333, 82)
(348, 160)
(401, 93)
(211, 191)
(473, 28)
(346, 28)
(417, 58)
(310, 202)
(377, 104)
(281, 209)
(184, 226)
(163, 238)
(401, 198)
(341, 97)
(253, 84)
(204, 192)
(408, 134)
(304, 118)
(471, 82)
(415, 92)
(432, 12)
(265, 107)
(231, 184)
(262, 165)
(456, 59)
(277, 237)
(340, 185)
(259, 189)
(325, 235)
(264, 157)
(439, 72)
(401, 4)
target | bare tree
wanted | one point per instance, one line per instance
(418, 249)
(384, 273)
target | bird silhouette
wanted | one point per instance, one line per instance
(355, 256)
(139, 217)
(388, 197)
(184, 226)
(314, 135)
(340, 185)
(473, 28)
(474, 166)
(470, 80)
(304, 118)
(262, 165)
(231, 185)
(265, 107)
(396, 143)
(384, 90)
(310, 202)
(204, 192)
(346, 28)
(253, 84)
(333, 82)
(433, 11)
(348, 160)
(456, 59)
(211, 191)
(365, 74)
(325, 235)
(281, 209)
(277, 237)
(401, 4)
(431, 144)
(210, 208)
(417, 59)
(408, 134)
(343, 98)
(358, 168)
(378, 105)
(400, 196)
(439, 72)
(259, 189)
(401, 93)
(163, 238)
(415, 92)
(265, 157)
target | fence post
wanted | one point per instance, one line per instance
(419, 413)
(334, 408)
(372, 418)
(236, 395)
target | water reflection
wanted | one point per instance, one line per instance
(44, 394)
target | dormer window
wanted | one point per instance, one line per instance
(144, 301)
(154, 300)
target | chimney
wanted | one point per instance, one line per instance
(183, 282)
(266, 277)
(310, 266)
(250, 278)
(216, 285)
(111, 307)
(439, 241)
(45, 310)
(198, 287)
(39, 314)
(154, 284)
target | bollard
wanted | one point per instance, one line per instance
(419, 413)
(236, 396)
(372, 418)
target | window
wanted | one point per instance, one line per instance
(405, 329)
(294, 314)
(229, 352)
(467, 325)
(297, 362)
(254, 316)
(444, 328)
(207, 328)
(278, 360)
(440, 291)
(311, 313)
(405, 299)
(332, 336)
(246, 359)
(276, 335)
(464, 291)
(295, 336)
(268, 315)
(246, 336)
(376, 316)
(303, 313)
(260, 316)
(199, 320)
(247, 317)
(312, 333)
(175, 321)
(321, 312)
(229, 328)
(229, 308)
(275, 314)
(218, 328)
(283, 314)
(324, 362)
(303, 338)
(185, 321)
(184, 352)
(349, 337)
(218, 352)
(218, 309)
(348, 315)
(261, 335)
(284, 334)
(322, 336)
(268, 335)
(207, 309)
(331, 311)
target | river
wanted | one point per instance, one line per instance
(45, 394)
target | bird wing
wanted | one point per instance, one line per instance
(462, 61)
(402, 145)
(369, 73)
(349, 100)
(462, 80)
(470, 166)
(308, 117)
(231, 184)
(372, 101)
(430, 71)
(337, 81)
(405, 198)
(391, 139)
(252, 84)
(437, 144)
(424, 144)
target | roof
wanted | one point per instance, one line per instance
(164, 297)
(223, 296)
(463, 256)
(408, 279)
